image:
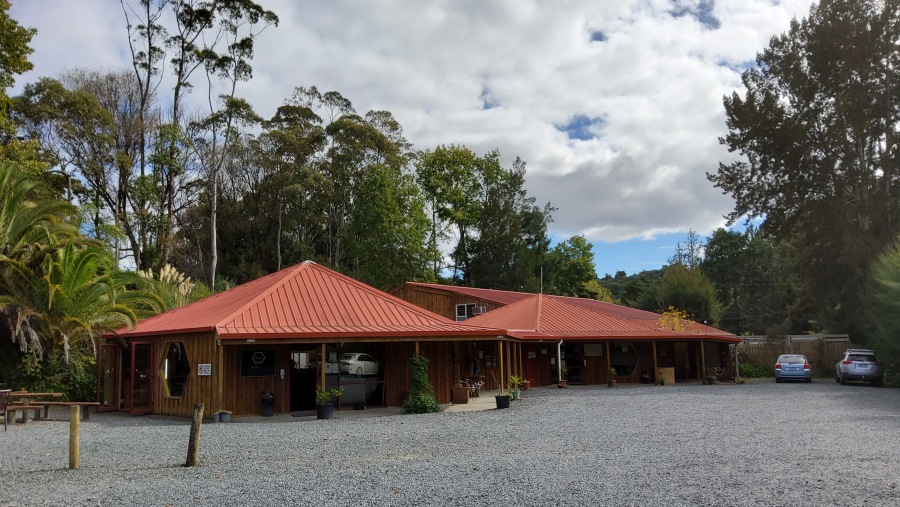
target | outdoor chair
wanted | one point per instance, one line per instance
(4, 402)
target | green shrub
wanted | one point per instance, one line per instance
(750, 370)
(421, 399)
(76, 379)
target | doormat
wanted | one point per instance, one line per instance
(303, 413)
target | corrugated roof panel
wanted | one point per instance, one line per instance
(503, 297)
(305, 300)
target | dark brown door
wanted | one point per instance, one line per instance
(108, 379)
(141, 378)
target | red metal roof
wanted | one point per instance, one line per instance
(305, 301)
(557, 317)
(503, 297)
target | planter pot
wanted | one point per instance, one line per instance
(324, 411)
(225, 417)
(217, 417)
(613, 383)
(460, 395)
(502, 401)
(516, 395)
(563, 384)
(526, 385)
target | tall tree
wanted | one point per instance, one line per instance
(881, 316)
(816, 134)
(687, 290)
(14, 51)
(571, 267)
(511, 244)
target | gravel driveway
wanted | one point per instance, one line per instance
(754, 444)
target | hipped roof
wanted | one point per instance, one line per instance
(541, 316)
(306, 300)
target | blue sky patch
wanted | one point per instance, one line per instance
(487, 99)
(581, 127)
(598, 36)
(703, 13)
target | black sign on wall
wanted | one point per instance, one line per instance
(257, 363)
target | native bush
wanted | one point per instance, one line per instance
(421, 399)
(750, 370)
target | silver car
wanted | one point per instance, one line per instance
(858, 365)
(355, 363)
(792, 367)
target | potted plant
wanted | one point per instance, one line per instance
(712, 375)
(514, 382)
(526, 384)
(564, 381)
(324, 397)
(612, 376)
(225, 415)
(503, 400)
(216, 417)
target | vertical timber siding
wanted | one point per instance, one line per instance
(200, 348)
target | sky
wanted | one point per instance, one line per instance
(616, 106)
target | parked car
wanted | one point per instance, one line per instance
(792, 367)
(858, 365)
(359, 364)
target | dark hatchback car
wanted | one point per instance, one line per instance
(792, 367)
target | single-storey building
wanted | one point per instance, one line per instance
(585, 336)
(284, 335)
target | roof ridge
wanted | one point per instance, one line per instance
(422, 312)
(426, 284)
(265, 293)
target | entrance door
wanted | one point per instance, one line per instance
(141, 378)
(574, 361)
(108, 386)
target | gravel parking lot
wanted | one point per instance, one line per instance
(753, 444)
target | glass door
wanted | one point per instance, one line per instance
(108, 377)
(141, 378)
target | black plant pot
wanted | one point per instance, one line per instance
(324, 411)
(503, 401)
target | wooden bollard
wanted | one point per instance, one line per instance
(194, 441)
(74, 426)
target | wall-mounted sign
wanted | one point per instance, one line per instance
(204, 370)
(543, 352)
(258, 363)
(593, 349)
(532, 354)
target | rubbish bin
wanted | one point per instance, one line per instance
(268, 404)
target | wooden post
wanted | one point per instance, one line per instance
(322, 362)
(417, 348)
(521, 365)
(608, 364)
(194, 440)
(702, 362)
(74, 427)
(500, 356)
(656, 374)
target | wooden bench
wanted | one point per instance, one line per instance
(24, 409)
(85, 407)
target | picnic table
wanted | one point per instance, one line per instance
(25, 401)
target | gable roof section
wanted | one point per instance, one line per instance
(503, 297)
(557, 317)
(305, 301)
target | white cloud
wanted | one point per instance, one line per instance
(656, 81)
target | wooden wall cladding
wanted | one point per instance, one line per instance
(200, 349)
(438, 301)
(243, 395)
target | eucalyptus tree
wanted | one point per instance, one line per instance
(214, 38)
(816, 134)
(448, 177)
(511, 246)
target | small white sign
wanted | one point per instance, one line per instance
(532, 354)
(204, 370)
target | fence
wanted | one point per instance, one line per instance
(822, 351)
